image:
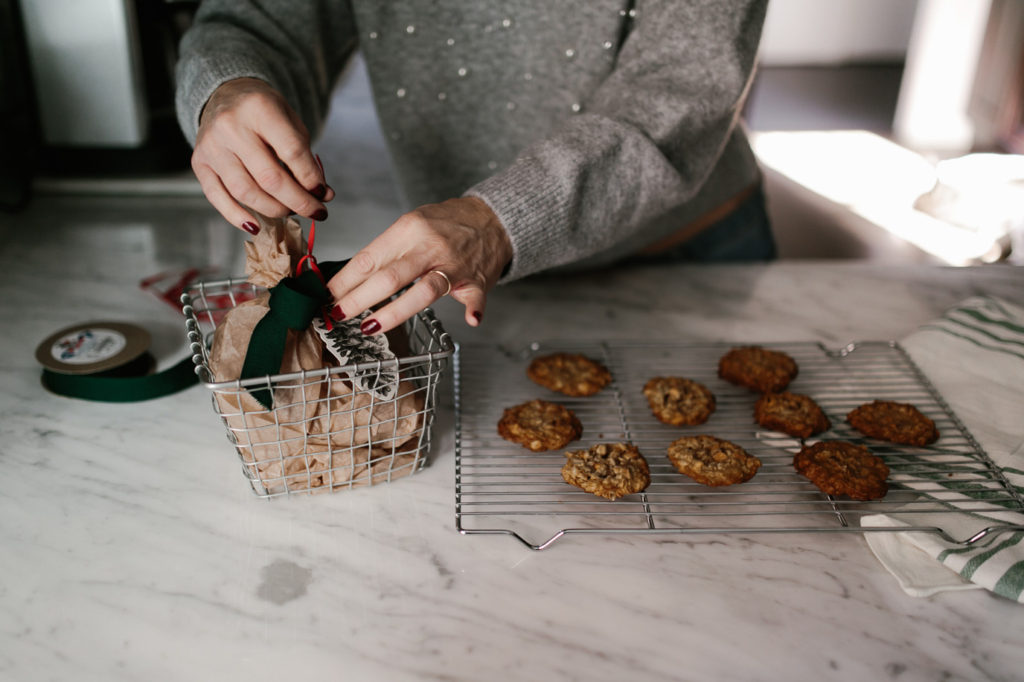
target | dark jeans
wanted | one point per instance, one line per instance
(743, 235)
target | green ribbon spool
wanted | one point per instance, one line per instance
(127, 384)
(108, 362)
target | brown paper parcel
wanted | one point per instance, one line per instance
(321, 433)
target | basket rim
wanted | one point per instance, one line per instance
(426, 316)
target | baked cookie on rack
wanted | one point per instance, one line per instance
(757, 368)
(839, 467)
(539, 425)
(712, 461)
(678, 401)
(572, 374)
(895, 422)
(609, 470)
(792, 413)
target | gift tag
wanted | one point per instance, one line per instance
(351, 347)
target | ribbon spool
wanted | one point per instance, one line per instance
(108, 362)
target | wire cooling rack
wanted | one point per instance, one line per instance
(503, 488)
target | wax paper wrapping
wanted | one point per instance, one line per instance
(321, 433)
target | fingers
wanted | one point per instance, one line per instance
(376, 274)
(323, 191)
(475, 299)
(428, 289)
(221, 199)
(230, 187)
(260, 181)
(457, 237)
(361, 284)
(287, 169)
(252, 150)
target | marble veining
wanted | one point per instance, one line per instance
(134, 549)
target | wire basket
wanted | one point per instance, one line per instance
(502, 488)
(323, 433)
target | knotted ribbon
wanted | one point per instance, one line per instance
(293, 304)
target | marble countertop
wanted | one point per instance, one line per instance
(133, 547)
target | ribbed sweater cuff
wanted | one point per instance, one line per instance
(204, 76)
(531, 207)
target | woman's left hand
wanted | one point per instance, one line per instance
(458, 243)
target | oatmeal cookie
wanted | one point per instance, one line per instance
(792, 413)
(569, 373)
(608, 470)
(539, 425)
(712, 461)
(838, 467)
(759, 369)
(678, 401)
(895, 422)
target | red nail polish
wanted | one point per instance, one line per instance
(370, 326)
(321, 214)
(337, 313)
(319, 191)
(251, 228)
(478, 316)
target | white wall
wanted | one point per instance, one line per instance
(809, 32)
(942, 65)
(86, 69)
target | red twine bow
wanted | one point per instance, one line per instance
(310, 260)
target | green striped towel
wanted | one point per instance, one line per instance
(974, 356)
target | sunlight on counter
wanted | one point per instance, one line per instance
(960, 210)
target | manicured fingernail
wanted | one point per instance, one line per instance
(370, 326)
(478, 316)
(319, 191)
(337, 313)
(251, 228)
(321, 214)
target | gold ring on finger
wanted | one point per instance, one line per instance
(448, 282)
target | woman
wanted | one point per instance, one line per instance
(528, 134)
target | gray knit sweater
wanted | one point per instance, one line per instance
(591, 127)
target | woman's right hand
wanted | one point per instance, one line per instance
(252, 150)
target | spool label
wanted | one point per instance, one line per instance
(88, 346)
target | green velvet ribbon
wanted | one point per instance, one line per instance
(126, 384)
(293, 304)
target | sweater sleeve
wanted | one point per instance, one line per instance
(645, 141)
(298, 46)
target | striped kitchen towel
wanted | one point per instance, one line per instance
(974, 356)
